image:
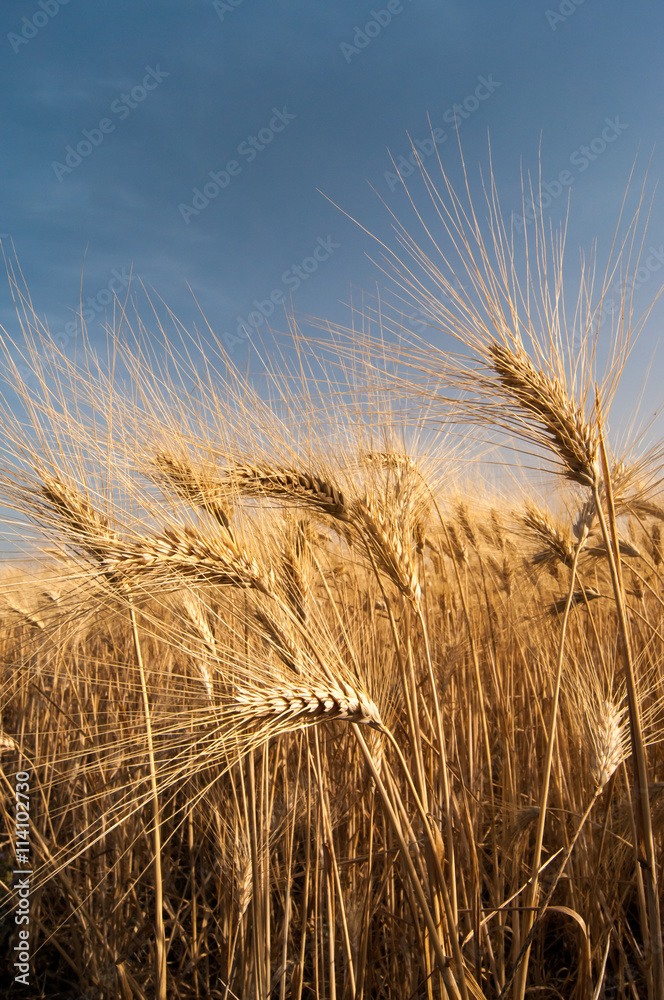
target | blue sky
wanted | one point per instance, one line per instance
(114, 114)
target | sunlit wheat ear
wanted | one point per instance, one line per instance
(383, 531)
(56, 504)
(635, 486)
(376, 743)
(599, 717)
(182, 551)
(198, 486)
(454, 546)
(243, 883)
(646, 508)
(604, 721)
(560, 423)
(585, 521)
(282, 644)
(290, 707)
(7, 743)
(196, 622)
(504, 572)
(497, 530)
(391, 460)
(29, 617)
(607, 733)
(302, 487)
(406, 486)
(555, 538)
(380, 530)
(463, 518)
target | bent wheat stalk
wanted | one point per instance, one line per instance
(522, 970)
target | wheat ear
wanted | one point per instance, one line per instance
(303, 487)
(196, 485)
(561, 423)
(558, 545)
(384, 537)
(303, 704)
(87, 529)
(186, 552)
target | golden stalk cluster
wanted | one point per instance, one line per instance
(305, 716)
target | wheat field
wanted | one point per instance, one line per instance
(346, 680)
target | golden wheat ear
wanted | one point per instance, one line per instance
(570, 435)
(300, 487)
(556, 538)
(197, 485)
(292, 706)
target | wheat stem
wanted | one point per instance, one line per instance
(610, 535)
(520, 988)
(161, 976)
